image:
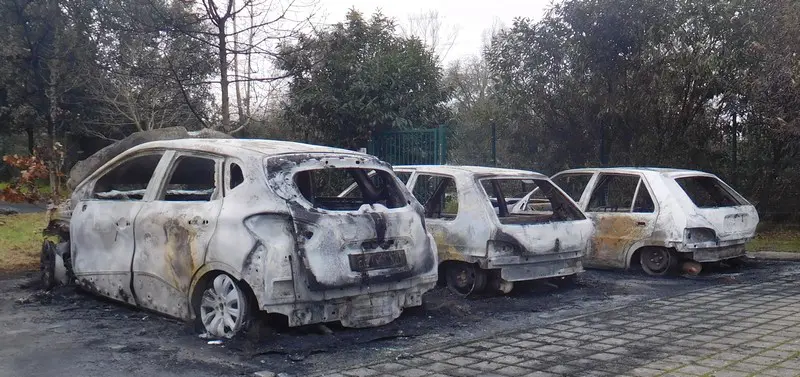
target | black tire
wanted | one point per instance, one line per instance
(47, 265)
(464, 279)
(569, 281)
(658, 261)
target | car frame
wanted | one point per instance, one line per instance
(665, 230)
(483, 247)
(248, 235)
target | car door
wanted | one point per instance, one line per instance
(174, 230)
(102, 225)
(623, 212)
(444, 219)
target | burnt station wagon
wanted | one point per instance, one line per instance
(658, 217)
(220, 229)
(481, 243)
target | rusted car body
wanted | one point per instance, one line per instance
(481, 244)
(658, 217)
(221, 229)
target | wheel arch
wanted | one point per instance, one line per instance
(211, 270)
(634, 252)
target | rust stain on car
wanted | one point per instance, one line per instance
(179, 254)
(613, 236)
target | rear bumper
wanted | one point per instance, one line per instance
(520, 268)
(361, 310)
(715, 254)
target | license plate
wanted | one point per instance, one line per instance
(734, 222)
(377, 260)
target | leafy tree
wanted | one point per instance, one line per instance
(358, 78)
(709, 85)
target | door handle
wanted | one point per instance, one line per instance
(641, 223)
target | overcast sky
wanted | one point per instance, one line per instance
(471, 18)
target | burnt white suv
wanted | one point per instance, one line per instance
(217, 230)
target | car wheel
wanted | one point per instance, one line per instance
(47, 265)
(465, 278)
(658, 261)
(224, 310)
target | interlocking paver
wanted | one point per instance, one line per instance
(723, 331)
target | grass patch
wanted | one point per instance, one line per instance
(21, 241)
(772, 237)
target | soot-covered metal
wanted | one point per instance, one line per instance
(192, 242)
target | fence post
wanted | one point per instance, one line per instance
(494, 143)
(442, 141)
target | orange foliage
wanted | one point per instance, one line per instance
(32, 168)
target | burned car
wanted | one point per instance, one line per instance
(220, 230)
(481, 244)
(659, 218)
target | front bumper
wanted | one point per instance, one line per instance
(521, 268)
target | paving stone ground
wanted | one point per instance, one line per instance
(724, 331)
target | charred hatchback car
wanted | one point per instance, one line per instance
(658, 217)
(218, 230)
(483, 245)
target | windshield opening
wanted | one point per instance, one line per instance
(323, 188)
(546, 203)
(709, 192)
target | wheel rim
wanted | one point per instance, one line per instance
(656, 261)
(464, 279)
(222, 307)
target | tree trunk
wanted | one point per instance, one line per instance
(50, 155)
(31, 144)
(239, 107)
(223, 77)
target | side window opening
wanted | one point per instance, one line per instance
(644, 202)
(708, 192)
(192, 179)
(237, 177)
(546, 203)
(614, 193)
(438, 194)
(573, 184)
(404, 176)
(127, 181)
(323, 188)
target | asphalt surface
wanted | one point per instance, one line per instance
(68, 332)
(22, 207)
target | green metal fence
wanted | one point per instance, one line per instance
(411, 147)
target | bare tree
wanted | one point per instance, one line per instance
(253, 29)
(430, 28)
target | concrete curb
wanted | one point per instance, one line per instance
(775, 255)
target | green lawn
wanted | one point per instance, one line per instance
(776, 238)
(21, 240)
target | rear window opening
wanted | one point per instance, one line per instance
(546, 203)
(709, 192)
(322, 188)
